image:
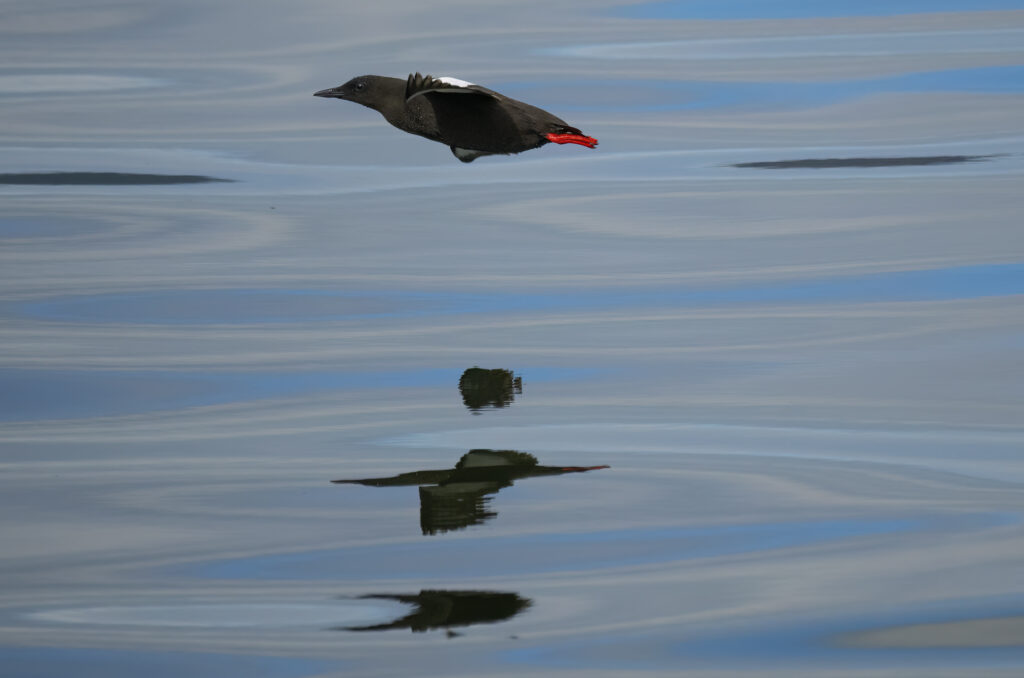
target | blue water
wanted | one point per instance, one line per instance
(563, 552)
(679, 95)
(807, 642)
(48, 227)
(758, 503)
(249, 306)
(62, 662)
(796, 9)
(37, 394)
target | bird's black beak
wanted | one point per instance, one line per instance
(332, 92)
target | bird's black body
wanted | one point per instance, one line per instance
(471, 119)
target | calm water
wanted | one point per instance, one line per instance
(749, 392)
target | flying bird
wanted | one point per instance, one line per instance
(472, 120)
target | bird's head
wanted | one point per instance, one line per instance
(362, 90)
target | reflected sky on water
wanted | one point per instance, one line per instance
(788, 9)
(779, 307)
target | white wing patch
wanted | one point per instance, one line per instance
(455, 82)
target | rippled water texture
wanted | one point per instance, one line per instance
(738, 392)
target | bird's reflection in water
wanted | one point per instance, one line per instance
(482, 389)
(445, 609)
(451, 499)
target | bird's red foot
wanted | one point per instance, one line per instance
(580, 139)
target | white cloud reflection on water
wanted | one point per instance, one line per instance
(180, 419)
(939, 44)
(70, 84)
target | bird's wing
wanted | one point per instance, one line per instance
(418, 85)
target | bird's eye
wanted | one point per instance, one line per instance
(360, 86)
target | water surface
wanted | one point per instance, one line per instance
(737, 391)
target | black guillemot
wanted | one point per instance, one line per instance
(473, 120)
